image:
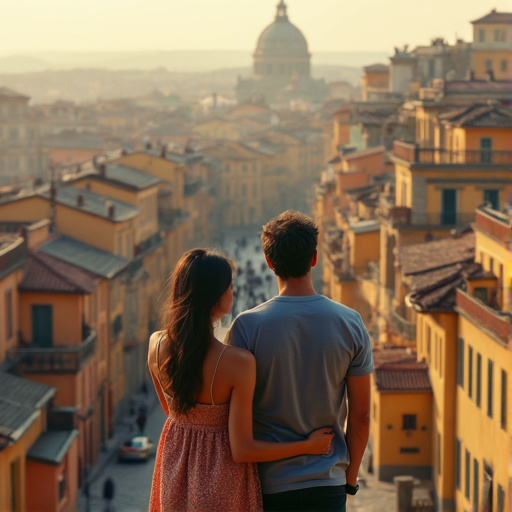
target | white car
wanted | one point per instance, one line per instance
(136, 448)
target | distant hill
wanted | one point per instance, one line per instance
(175, 61)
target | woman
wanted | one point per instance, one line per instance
(206, 451)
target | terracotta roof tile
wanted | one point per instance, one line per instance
(495, 17)
(480, 116)
(403, 378)
(426, 256)
(47, 274)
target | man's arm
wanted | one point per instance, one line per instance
(358, 423)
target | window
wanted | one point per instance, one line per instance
(244, 168)
(486, 150)
(460, 363)
(244, 190)
(490, 371)
(470, 371)
(492, 196)
(429, 337)
(227, 168)
(457, 463)
(439, 451)
(481, 294)
(503, 65)
(476, 472)
(254, 190)
(8, 314)
(468, 475)
(488, 64)
(409, 449)
(498, 35)
(481, 35)
(500, 505)
(449, 206)
(409, 422)
(478, 379)
(42, 325)
(503, 409)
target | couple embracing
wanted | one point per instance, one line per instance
(275, 393)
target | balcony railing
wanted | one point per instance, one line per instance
(410, 152)
(492, 320)
(401, 326)
(55, 359)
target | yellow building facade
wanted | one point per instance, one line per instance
(492, 46)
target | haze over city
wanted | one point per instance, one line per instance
(132, 131)
(148, 25)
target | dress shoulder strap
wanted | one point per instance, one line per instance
(215, 372)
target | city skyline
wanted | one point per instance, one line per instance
(31, 26)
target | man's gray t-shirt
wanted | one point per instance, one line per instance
(304, 349)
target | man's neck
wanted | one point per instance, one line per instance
(296, 286)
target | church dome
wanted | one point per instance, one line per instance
(281, 38)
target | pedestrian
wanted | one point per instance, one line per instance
(311, 353)
(141, 421)
(206, 453)
(109, 490)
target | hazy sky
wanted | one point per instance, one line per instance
(329, 25)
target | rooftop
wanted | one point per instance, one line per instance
(396, 369)
(43, 273)
(495, 17)
(19, 401)
(52, 446)
(94, 204)
(125, 175)
(84, 256)
(437, 254)
(10, 94)
(479, 116)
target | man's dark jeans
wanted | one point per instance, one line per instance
(312, 499)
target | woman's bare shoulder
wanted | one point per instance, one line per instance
(239, 356)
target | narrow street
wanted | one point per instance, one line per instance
(133, 479)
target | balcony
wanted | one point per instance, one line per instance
(399, 325)
(54, 359)
(12, 257)
(149, 245)
(495, 224)
(495, 322)
(410, 152)
(441, 219)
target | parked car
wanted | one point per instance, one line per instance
(136, 448)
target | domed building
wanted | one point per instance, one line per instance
(281, 69)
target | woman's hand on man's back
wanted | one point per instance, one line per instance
(320, 440)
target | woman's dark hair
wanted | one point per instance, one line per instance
(199, 280)
(289, 241)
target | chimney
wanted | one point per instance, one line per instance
(111, 211)
(102, 170)
(80, 200)
(163, 151)
(471, 75)
(148, 145)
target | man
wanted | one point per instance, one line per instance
(310, 352)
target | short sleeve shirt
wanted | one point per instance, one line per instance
(304, 347)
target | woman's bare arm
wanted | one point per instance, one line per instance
(153, 343)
